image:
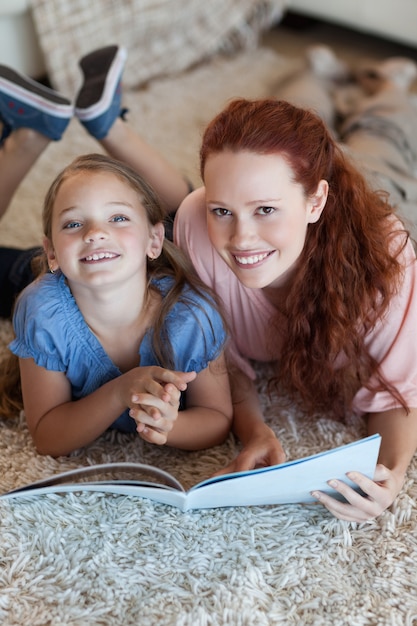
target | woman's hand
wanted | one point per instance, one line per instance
(398, 429)
(260, 447)
(379, 495)
(262, 450)
(155, 401)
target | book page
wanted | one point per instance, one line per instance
(107, 473)
(290, 482)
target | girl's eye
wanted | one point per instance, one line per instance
(265, 210)
(72, 225)
(221, 212)
(119, 218)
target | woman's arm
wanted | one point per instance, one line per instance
(399, 438)
(260, 445)
(58, 424)
(399, 442)
(207, 418)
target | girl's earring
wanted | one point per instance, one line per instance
(51, 270)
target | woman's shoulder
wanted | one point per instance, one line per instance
(191, 216)
(194, 199)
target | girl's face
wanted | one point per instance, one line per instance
(257, 216)
(100, 231)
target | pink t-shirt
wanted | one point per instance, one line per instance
(393, 341)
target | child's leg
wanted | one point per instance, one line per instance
(98, 107)
(123, 143)
(18, 153)
(31, 115)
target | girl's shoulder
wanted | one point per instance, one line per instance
(45, 296)
(50, 329)
(190, 299)
(45, 321)
(194, 323)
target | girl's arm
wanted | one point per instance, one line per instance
(58, 424)
(260, 445)
(399, 442)
(205, 422)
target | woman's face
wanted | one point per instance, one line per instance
(257, 216)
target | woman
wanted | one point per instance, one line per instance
(317, 276)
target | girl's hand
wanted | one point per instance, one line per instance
(155, 418)
(380, 494)
(155, 401)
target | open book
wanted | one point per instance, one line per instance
(286, 483)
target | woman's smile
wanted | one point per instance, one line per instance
(257, 216)
(250, 259)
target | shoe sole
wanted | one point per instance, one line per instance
(28, 91)
(113, 59)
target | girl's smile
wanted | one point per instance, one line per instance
(99, 256)
(100, 232)
(257, 215)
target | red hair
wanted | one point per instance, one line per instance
(348, 269)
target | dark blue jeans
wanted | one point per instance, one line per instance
(15, 274)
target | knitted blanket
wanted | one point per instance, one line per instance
(162, 38)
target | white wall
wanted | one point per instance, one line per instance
(19, 46)
(392, 19)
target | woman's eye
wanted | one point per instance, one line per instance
(265, 210)
(221, 212)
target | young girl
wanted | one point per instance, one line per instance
(317, 275)
(120, 325)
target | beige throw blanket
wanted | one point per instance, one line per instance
(162, 37)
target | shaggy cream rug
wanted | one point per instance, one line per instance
(105, 560)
